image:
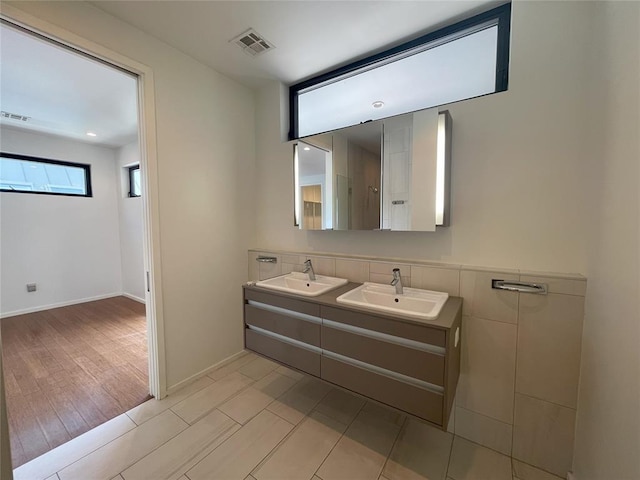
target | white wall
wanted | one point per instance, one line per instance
(205, 150)
(517, 164)
(68, 246)
(131, 225)
(608, 423)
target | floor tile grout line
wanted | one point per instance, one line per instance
(194, 456)
(515, 381)
(341, 436)
(222, 443)
(453, 439)
(395, 441)
(295, 427)
(233, 395)
(73, 463)
(272, 452)
(168, 408)
(87, 454)
(482, 415)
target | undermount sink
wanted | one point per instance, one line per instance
(414, 302)
(299, 283)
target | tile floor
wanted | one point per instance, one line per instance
(255, 420)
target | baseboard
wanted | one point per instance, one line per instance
(133, 297)
(61, 304)
(202, 373)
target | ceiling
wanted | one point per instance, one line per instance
(64, 93)
(309, 36)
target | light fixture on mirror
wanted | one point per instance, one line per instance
(306, 149)
(441, 166)
(296, 186)
(378, 104)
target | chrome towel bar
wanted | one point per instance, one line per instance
(523, 287)
(267, 259)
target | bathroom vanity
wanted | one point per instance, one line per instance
(412, 365)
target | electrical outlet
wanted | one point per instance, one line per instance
(31, 287)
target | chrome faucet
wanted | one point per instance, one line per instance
(397, 281)
(308, 268)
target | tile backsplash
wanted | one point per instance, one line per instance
(520, 364)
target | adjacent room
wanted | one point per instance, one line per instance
(74, 328)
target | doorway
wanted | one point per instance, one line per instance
(84, 315)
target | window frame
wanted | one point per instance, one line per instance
(131, 169)
(85, 166)
(501, 14)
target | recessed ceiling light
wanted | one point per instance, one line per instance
(306, 148)
(378, 104)
(91, 134)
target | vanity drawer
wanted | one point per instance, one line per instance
(286, 353)
(289, 326)
(415, 400)
(299, 306)
(426, 366)
(420, 333)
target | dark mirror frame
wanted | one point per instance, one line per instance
(503, 16)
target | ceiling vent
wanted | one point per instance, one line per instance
(252, 43)
(14, 116)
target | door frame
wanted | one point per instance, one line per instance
(149, 176)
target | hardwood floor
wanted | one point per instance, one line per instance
(70, 369)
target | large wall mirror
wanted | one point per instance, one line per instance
(389, 174)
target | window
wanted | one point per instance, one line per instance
(465, 60)
(134, 181)
(23, 174)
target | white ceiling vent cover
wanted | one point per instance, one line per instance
(252, 43)
(14, 116)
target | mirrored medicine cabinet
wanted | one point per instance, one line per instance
(390, 174)
(372, 149)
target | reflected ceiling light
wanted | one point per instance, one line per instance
(378, 104)
(91, 134)
(307, 148)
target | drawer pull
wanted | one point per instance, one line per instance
(385, 337)
(284, 311)
(283, 339)
(383, 371)
(522, 287)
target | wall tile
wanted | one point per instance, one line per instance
(438, 279)
(482, 301)
(382, 272)
(487, 372)
(549, 346)
(558, 284)
(324, 265)
(484, 430)
(543, 434)
(352, 270)
(293, 259)
(254, 268)
(269, 270)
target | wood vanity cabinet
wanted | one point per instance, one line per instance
(408, 364)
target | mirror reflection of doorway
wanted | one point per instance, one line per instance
(312, 207)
